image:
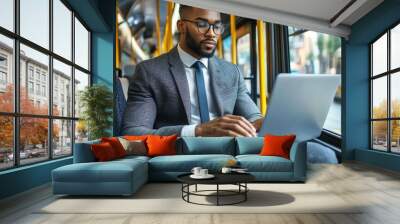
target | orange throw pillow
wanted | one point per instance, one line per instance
(103, 152)
(277, 145)
(116, 145)
(135, 137)
(161, 145)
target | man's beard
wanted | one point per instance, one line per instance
(191, 43)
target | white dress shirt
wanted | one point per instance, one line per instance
(188, 60)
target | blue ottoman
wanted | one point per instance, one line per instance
(118, 177)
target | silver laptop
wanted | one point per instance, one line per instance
(299, 105)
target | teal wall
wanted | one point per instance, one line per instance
(356, 81)
(103, 61)
(99, 16)
(24, 178)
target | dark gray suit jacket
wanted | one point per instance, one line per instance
(159, 101)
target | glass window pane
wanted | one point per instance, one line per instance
(81, 81)
(33, 139)
(35, 21)
(395, 47)
(6, 74)
(62, 29)
(395, 136)
(379, 55)
(81, 131)
(62, 89)
(62, 138)
(81, 45)
(312, 52)
(243, 51)
(6, 142)
(379, 98)
(34, 72)
(333, 120)
(227, 43)
(379, 135)
(7, 14)
(395, 95)
(317, 53)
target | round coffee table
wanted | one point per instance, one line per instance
(238, 179)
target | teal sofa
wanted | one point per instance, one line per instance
(125, 176)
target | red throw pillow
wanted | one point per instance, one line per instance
(277, 145)
(103, 152)
(161, 145)
(116, 145)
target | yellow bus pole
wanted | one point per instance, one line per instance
(262, 64)
(117, 50)
(219, 48)
(233, 39)
(167, 40)
(158, 33)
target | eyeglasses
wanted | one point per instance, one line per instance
(203, 26)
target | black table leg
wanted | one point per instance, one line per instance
(217, 194)
(245, 193)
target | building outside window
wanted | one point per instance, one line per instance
(43, 90)
(3, 61)
(317, 53)
(37, 74)
(3, 71)
(34, 68)
(30, 72)
(43, 77)
(38, 89)
(30, 87)
(385, 91)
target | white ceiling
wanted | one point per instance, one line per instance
(314, 15)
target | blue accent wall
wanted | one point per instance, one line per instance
(99, 16)
(356, 82)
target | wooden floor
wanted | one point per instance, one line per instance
(378, 188)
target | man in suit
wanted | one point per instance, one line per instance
(188, 91)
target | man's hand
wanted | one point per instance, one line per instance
(257, 124)
(228, 125)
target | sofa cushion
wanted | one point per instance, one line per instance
(185, 163)
(275, 145)
(103, 152)
(161, 145)
(246, 145)
(207, 145)
(135, 147)
(116, 145)
(257, 163)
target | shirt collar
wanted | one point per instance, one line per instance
(188, 60)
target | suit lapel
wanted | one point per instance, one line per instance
(215, 76)
(178, 72)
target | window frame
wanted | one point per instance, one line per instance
(16, 115)
(388, 74)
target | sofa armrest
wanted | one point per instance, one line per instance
(83, 152)
(298, 155)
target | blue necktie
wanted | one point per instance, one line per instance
(201, 92)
